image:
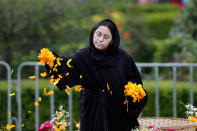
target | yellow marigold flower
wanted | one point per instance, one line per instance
(192, 118)
(12, 94)
(78, 88)
(22, 125)
(32, 77)
(62, 127)
(66, 90)
(44, 74)
(9, 127)
(68, 63)
(36, 103)
(67, 74)
(135, 91)
(80, 76)
(57, 123)
(40, 99)
(46, 56)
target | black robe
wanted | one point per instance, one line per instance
(101, 110)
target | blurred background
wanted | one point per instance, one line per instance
(151, 31)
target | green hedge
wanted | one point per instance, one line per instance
(166, 104)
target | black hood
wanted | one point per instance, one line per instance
(104, 58)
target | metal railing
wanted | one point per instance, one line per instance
(36, 66)
(18, 91)
(9, 106)
(174, 67)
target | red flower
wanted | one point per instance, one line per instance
(118, 24)
(126, 36)
(154, 128)
(47, 126)
(180, 5)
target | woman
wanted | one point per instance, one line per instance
(102, 69)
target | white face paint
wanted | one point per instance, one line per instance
(102, 38)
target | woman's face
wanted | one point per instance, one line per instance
(102, 38)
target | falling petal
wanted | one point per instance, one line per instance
(108, 87)
(80, 76)
(32, 77)
(67, 74)
(36, 103)
(125, 102)
(29, 112)
(68, 63)
(67, 91)
(43, 74)
(9, 127)
(40, 99)
(78, 88)
(12, 94)
(78, 125)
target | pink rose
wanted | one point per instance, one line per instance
(47, 126)
(154, 128)
(170, 130)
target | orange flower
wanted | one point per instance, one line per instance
(46, 56)
(126, 36)
(135, 91)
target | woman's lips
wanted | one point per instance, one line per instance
(99, 44)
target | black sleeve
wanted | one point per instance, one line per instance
(134, 109)
(70, 75)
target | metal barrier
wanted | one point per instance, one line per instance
(174, 67)
(9, 106)
(139, 65)
(18, 90)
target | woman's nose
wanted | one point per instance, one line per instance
(101, 39)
